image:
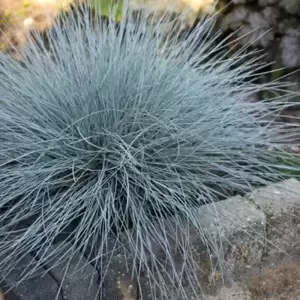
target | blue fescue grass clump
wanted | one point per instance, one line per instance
(115, 131)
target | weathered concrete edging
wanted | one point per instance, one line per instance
(260, 227)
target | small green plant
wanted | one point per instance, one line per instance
(107, 8)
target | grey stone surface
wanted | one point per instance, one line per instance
(36, 288)
(78, 278)
(118, 283)
(231, 293)
(241, 231)
(117, 279)
(235, 229)
(281, 204)
(238, 229)
(6, 293)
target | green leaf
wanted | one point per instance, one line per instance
(107, 7)
(288, 163)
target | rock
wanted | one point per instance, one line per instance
(234, 292)
(235, 19)
(114, 263)
(118, 283)
(257, 20)
(266, 2)
(287, 23)
(254, 27)
(271, 15)
(42, 286)
(256, 36)
(276, 282)
(7, 294)
(290, 48)
(236, 234)
(231, 243)
(77, 277)
(240, 226)
(290, 6)
(281, 204)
